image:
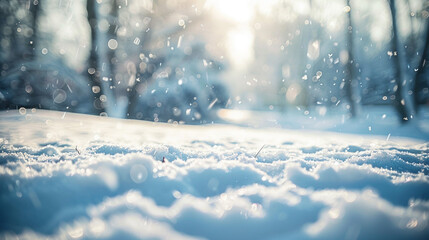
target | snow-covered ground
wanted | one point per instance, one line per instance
(72, 176)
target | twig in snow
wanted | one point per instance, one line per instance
(77, 150)
(259, 150)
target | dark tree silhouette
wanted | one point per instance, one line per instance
(419, 77)
(101, 58)
(314, 34)
(351, 81)
(403, 101)
(93, 74)
(35, 8)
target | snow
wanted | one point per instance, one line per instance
(72, 176)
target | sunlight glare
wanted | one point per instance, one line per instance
(237, 10)
(240, 46)
(240, 38)
(233, 115)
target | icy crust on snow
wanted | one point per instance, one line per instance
(70, 176)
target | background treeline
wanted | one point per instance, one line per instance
(345, 54)
(169, 60)
(127, 59)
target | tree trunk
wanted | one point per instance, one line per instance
(93, 73)
(133, 94)
(22, 48)
(351, 81)
(306, 38)
(418, 77)
(403, 101)
(100, 61)
(34, 9)
(312, 50)
(5, 50)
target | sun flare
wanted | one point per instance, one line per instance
(238, 10)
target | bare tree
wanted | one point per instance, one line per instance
(19, 33)
(101, 56)
(308, 37)
(351, 81)
(418, 78)
(412, 42)
(403, 101)
(93, 75)
(34, 8)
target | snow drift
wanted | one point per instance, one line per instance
(66, 175)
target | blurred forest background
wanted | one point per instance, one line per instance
(180, 60)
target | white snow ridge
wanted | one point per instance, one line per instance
(71, 176)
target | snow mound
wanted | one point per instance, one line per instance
(71, 176)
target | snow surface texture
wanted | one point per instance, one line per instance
(71, 176)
